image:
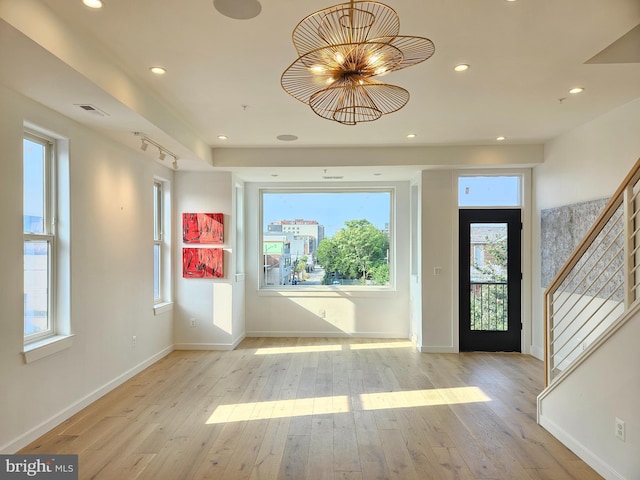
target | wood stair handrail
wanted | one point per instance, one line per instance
(616, 200)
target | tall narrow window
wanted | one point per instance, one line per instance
(239, 241)
(158, 232)
(39, 237)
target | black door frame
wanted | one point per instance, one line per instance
(491, 341)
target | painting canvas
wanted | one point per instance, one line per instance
(202, 227)
(202, 263)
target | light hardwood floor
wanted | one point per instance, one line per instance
(342, 409)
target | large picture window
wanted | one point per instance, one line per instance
(335, 238)
(39, 237)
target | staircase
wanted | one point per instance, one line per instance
(592, 330)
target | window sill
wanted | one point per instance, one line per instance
(327, 291)
(164, 307)
(37, 350)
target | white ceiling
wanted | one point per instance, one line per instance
(223, 75)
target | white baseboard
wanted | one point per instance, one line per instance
(536, 351)
(237, 341)
(432, 349)
(403, 335)
(206, 346)
(210, 346)
(579, 449)
(39, 430)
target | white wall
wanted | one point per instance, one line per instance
(215, 304)
(365, 314)
(586, 163)
(439, 250)
(111, 271)
(582, 410)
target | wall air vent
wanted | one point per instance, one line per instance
(92, 109)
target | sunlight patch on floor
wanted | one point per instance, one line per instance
(422, 398)
(302, 349)
(300, 407)
(240, 412)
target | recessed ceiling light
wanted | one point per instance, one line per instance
(461, 68)
(501, 138)
(158, 70)
(287, 138)
(222, 137)
(411, 135)
(576, 90)
(239, 10)
(93, 3)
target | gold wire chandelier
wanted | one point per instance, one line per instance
(341, 50)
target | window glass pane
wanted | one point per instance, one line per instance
(489, 293)
(239, 240)
(489, 191)
(36, 287)
(34, 197)
(326, 238)
(157, 211)
(156, 271)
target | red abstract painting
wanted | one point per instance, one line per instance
(202, 263)
(203, 228)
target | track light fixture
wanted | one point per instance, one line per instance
(162, 152)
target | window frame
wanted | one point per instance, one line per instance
(239, 239)
(49, 231)
(305, 289)
(492, 175)
(158, 239)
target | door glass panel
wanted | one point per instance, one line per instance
(488, 260)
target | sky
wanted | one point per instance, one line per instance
(330, 209)
(33, 176)
(489, 191)
(333, 209)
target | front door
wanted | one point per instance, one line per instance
(490, 280)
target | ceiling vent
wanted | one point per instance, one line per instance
(92, 109)
(327, 177)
